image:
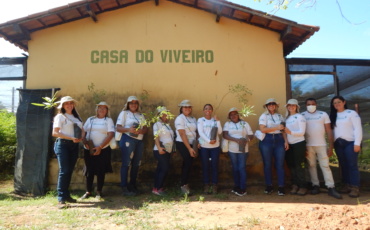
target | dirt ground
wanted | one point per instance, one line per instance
(223, 211)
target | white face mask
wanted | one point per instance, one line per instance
(311, 108)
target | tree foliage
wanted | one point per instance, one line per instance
(8, 141)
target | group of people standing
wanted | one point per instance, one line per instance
(282, 139)
(301, 136)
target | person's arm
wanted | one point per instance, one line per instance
(286, 144)
(105, 142)
(301, 128)
(185, 140)
(357, 131)
(225, 134)
(329, 133)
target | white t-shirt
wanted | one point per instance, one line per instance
(348, 126)
(271, 121)
(315, 127)
(65, 123)
(97, 129)
(126, 118)
(237, 130)
(204, 129)
(189, 124)
(165, 133)
(297, 125)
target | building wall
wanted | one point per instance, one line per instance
(71, 57)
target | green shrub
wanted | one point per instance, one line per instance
(8, 141)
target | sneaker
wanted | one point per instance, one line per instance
(235, 189)
(70, 200)
(185, 189)
(214, 189)
(133, 188)
(281, 191)
(334, 193)
(161, 191)
(269, 189)
(98, 195)
(85, 196)
(355, 192)
(241, 192)
(126, 192)
(345, 189)
(155, 192)
(206, 189)
(315, 190)
(62, 204)
(302, 191)
(294, 189)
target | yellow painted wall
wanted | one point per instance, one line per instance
(243, 54)
(60, 57)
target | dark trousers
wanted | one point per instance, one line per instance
(162, 168)
(186, 163)
(295, 158)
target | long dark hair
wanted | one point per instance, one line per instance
(74, 112)
(333, 111)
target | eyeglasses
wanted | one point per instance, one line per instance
(271, 103)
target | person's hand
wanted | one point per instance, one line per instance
(77, 140)
(97, 150)
(286, 130)
(192, 153)
(280, 127)
(330, 152)
(356, 148)
(216, 118)
(162, 150)
(212, 142)
(133, 130)
(286, 145)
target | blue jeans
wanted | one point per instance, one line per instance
(348, 161)
(239, 163)
(214, 155)
(272, 146)
(162, 168)
(130, 145)
(67, 154)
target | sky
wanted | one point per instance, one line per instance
(339, 36)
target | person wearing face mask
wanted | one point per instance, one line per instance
(317, 124)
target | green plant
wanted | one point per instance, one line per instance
(49, 102)
(97, 95)
(8, 141)
(241, 92)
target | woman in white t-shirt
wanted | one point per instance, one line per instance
(347, 128)
(209, 147)
(296, 154)
(186, 133)
(273, 145)
(100, 130)
(163, 147)
(131, 142)
(238, 133)
(66, 146)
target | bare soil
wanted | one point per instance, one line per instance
(222, 211)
